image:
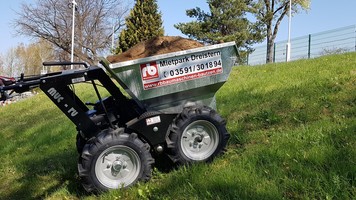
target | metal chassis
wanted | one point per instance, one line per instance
(57, 87)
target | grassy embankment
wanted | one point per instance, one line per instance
(293, 128)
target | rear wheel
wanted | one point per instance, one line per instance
(197, 134)
(114, 160)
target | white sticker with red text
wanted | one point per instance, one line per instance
(180, 69)
(153, 120)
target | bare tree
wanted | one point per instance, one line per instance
(26, 59)
(11, 63)
(271, 13)
(52, 20)
(1, 65)
(31, 56)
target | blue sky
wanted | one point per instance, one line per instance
(322, 16)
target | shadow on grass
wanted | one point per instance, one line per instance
(37, 183)
(313, 167)
(195, 183)
(46, 157)
(45, 173)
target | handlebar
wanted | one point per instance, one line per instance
(64, 63)
(23, 83)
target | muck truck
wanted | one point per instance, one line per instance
(170, 111)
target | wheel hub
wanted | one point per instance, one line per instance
(199, 140)
(117, 166)
(196, 141)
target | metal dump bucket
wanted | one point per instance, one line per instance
(168, 82)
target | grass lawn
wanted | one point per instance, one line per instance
(293, 136)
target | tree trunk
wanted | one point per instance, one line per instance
(273, 30)
(270, 45)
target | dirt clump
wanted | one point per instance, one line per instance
(155, 46)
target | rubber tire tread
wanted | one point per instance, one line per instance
(80, 143)
(149, 114)
(187, 116)
(107, 138)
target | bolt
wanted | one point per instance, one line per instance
(159, 149)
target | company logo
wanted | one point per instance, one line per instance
(56, 95)
(149, 71)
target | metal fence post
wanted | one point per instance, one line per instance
(309, 42)
(274, 52)
(248, 55)
(327, 42)
(355, 37)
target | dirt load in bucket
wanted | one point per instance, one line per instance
(155, 46)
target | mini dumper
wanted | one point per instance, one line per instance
(170, 111)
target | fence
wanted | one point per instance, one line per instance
(313, 45)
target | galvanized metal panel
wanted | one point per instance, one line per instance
(165, 82)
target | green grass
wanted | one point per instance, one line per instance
(293, 136)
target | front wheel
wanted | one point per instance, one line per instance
(197, 134)
(114, 160)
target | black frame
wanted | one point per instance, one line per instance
(57, 87)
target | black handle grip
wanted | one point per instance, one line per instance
(55, 63)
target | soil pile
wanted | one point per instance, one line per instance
(155, 46)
